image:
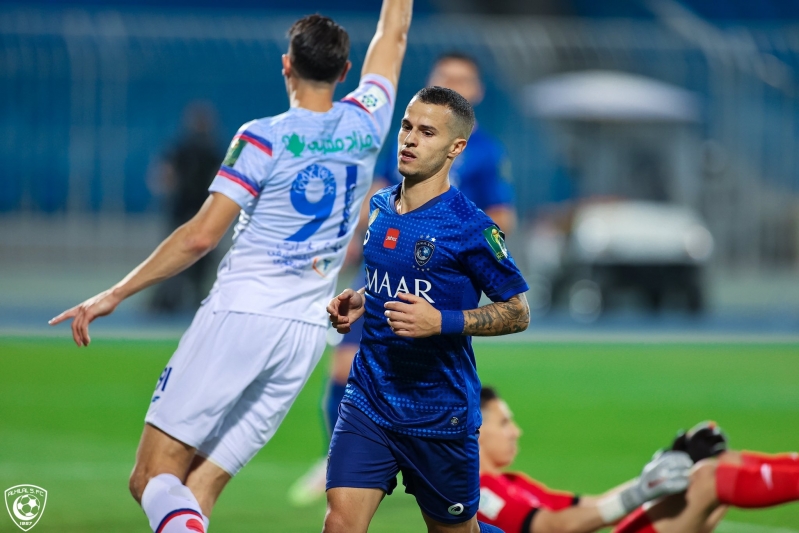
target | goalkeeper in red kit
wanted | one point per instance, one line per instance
(686, 490)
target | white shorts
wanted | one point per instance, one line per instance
(231, 382)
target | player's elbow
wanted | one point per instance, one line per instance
(199, 243)
(524, 312)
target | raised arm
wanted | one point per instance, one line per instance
(666, 474)
(177, 252)
(498, 318)
(387, 49)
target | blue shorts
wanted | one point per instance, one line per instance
(443, 474)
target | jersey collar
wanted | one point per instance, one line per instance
(392, 199)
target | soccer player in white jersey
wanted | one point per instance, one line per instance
(296, 182)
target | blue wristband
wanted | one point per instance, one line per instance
(452, 322)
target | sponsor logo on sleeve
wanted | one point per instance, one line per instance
(496, 241)
(372, 99)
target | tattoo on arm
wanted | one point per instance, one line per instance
(499, 318)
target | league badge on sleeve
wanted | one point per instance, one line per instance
(373, 215)
(372, 218)
(234, 151)
(372, 98)
(496, 240)
(423, 251)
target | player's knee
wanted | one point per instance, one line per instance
(336, 522)
(136, 484)
(138, 481)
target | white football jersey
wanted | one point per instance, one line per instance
(300, 179)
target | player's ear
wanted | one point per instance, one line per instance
(347, 67)
(286, 65)
(457, 147)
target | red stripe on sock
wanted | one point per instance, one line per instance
(195, 525)
(636, 522)
(754, 486)
(174, 514)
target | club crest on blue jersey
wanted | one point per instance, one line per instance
(423, 251)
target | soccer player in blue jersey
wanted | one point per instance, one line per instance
(481, 173)
(295, 182)
(412, 402)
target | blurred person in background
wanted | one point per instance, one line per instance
(482, 173)
(182, 177)
(717, 478)
(256, 339)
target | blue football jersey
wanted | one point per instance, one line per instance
(447, 252)
(481, 172)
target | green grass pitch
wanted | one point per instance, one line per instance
(592, 415)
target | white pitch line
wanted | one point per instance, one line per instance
(739, 527)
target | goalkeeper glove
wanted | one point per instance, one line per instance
(668, 473)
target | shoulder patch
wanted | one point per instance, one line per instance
(373, 216)
(371, 98)
(490, 503)
(496, 240)
(234, 151)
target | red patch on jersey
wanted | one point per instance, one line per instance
(195, 525)
(390, 242)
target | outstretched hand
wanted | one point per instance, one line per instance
(82, 314)
(413, 317)
(345, 309)
(667, 473)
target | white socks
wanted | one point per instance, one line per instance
(171, 507)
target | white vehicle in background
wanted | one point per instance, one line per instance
(617, 254)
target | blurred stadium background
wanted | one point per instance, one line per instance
(655, 155)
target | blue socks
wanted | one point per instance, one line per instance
(335, 393)
(485, 528)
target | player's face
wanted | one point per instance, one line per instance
(425, 141)
(499, 434)
(460, 76)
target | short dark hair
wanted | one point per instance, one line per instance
(318, 48)
(460, 107)
(487, 394)
(459, 56)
